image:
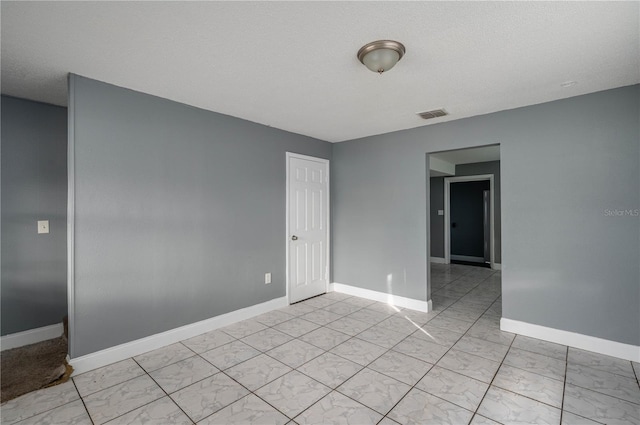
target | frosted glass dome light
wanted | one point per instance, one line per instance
(380, 56)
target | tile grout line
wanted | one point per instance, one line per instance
(82, 400)
(435, 364)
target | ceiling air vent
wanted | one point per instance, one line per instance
(427, 115)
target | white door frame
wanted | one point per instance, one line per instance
(447, 213)
(328, 208)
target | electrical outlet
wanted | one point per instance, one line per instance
(267, 278)
(43, 226)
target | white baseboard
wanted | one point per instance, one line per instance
(396, 300)
(31, 336)
(572, 339)
(130, 349)
(497, 266)
(437, 260)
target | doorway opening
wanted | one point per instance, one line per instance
(469, 220)
(464, 232)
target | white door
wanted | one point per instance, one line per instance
(308, 226)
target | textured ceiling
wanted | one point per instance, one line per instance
(292, 65)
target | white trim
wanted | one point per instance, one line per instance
(572, 339)
(130, 349)
(410, 303)
(437, 260)
(447, 212)
(497, 266)
(71, 208)
(327, 163)
(20, 339)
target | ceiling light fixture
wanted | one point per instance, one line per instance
(380, 56)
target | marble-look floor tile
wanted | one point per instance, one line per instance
(539, 346)
(455, 325)
(384, 308)
(163, 356)
(245, 328)
(536, 363)
(437, 335)
(321, 317)
(72, 413)
(295, 353)
(537, 387)
(107, 376)
(420, 408)
(466, 315)
(604, 382)
(375, 390)
(453, 387)
(339, 296)
(266, 339)
(273, 317)
(319, 302)
(510, 408)
(39, 401)
(481, 420)
(296, 327)
(330, 369)
(441, 302)
(230, 354)
(368, 316)
(258, 371)
(469, 365)
(205, 397)
(349, 326)
(360, 302)
(571, 419)
(183, 373)
(482, 348)
(208, 341)
(249, 410)
(297, 309)
(337, 409)
(342, 308)
(387, 421)
(636, 368)
(491, 334)
(600, 407)
(601, 362)
(160, 412)
(381, 336)
(122, 398)
(325, 338)
(401, 367)
(421, 349)
(400, 324)
(420, 318)
(359, 351)
(293, 393)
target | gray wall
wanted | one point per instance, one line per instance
(567, 263)
(179, 212)
(34, 187)
(437, 203)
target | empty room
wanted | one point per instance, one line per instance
(349, 212)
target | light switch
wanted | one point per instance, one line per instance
(43, 226)
(267, 278)
(440, 212)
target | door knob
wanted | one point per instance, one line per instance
(294, 238)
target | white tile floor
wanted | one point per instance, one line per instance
(337, 359)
